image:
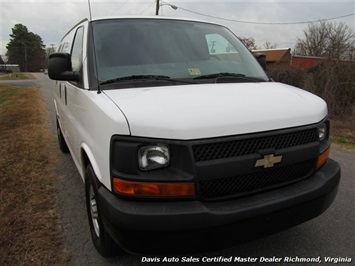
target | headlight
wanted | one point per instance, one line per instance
(322, 131)
(153, 157)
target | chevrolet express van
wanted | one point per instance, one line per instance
(183, 142)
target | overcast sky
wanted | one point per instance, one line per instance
(51, 19)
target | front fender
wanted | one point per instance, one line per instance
(86, 151)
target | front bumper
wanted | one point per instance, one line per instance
(193, 226)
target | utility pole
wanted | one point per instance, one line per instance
(157, 7)
(161, 3)
(25, 47)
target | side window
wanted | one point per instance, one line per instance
(64, 47)
(219, 47)
(77, 50)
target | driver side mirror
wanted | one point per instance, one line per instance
(261, 58)
(60, 68)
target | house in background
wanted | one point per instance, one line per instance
(9, 68)
(305, 61)
(283, 56)
(276, 56)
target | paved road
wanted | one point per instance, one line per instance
(23, 82)
(330, 235)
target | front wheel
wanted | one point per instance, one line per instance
(100, 237)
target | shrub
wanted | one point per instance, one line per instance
(291, 75)
(332, 80)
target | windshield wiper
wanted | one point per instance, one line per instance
(228, 75)
(144, 77)
(134, 77)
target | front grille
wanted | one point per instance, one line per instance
(255, 182)
(234, 148)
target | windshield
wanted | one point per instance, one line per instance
(172, 48)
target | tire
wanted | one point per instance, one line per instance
(100, 237)
(61, 141)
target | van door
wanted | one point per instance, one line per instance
(60, 90)
(72, 94)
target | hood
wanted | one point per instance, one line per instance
(213, 110)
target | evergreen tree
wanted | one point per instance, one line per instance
(25, 49)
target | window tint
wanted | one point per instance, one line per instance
(77, 51)
(178, 49)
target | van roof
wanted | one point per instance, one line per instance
(152, 17)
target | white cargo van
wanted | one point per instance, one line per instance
(182, 140)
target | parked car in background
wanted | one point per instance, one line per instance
(5, 70)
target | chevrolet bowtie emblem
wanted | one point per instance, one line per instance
(268, 161)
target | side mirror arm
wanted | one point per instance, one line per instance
(261, 58)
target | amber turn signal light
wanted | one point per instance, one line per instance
(147, 189)
(322, 158)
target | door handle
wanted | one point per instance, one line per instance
(65, 94)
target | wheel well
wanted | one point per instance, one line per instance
(85, 160)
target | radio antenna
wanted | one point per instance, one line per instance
(89, 10)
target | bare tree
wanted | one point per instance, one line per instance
(268, 45)
(351, 51)
(326, 39)
(248, 42)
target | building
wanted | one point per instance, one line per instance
(276, 56)
(11, 67)
(283, 56)
(305, 61)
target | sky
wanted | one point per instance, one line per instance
(51, 19)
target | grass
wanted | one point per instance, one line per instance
(342, 132)
(344, 142)
(30, 231)
(16, 75)
(5, 93)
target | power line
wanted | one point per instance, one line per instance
(264, 23)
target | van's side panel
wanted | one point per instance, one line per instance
(88, 119)
(60, 89)
(97, 118)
